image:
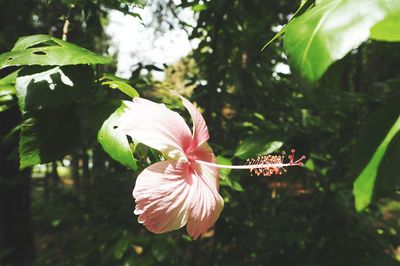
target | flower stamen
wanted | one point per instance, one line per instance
(265, 165)
(271, 165)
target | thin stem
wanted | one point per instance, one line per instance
(244, 166)
(65, 30)
(66, 25)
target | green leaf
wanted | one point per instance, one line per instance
(50, 51)
(225, 179)
(46, 97)
(48, 135)
(118, 83)
(7, 84)
(114, 141)
(304, 6)
(228, 182)
(224, 161)
(388, 29)
(41, 87)
(329, 30)
(364, 184)
(9, 79)
(255, 146)
(235, 185)
(55, 222)
(199, 7)
(388, 178)
(120, 248)
(374, 153)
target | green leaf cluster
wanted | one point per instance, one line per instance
(51, 86)
(326, 33)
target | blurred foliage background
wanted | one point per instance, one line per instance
(77, 209)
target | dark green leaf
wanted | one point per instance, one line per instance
(120, 247)
(50, 51)
(114, 141)
(48, 135)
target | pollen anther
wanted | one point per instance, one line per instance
(268, 165)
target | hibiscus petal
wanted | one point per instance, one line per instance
(161, 194)
(205, 202)
(156, 126)
(200, 130)
(205, 153)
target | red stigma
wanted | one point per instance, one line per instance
(297, 162)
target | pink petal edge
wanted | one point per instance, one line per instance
(200, 129)
(205, 204)
(157, 127)
(161, 193)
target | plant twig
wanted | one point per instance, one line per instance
(66, 25)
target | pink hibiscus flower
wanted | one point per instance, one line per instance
(183, 189)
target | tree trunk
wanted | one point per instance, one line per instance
(16, 232)
(75, 171)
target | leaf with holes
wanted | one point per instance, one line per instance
(114, 141)
(331, 29)
(49, 51)
(40, 87)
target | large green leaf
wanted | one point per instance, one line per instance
(48, 135)
(304, 6)
(375, 155)
(114, 141)
(46, 97)
(331, 29)
(41, 87)
(47, 50)
(387, 29)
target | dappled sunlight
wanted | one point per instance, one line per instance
(223, 132)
